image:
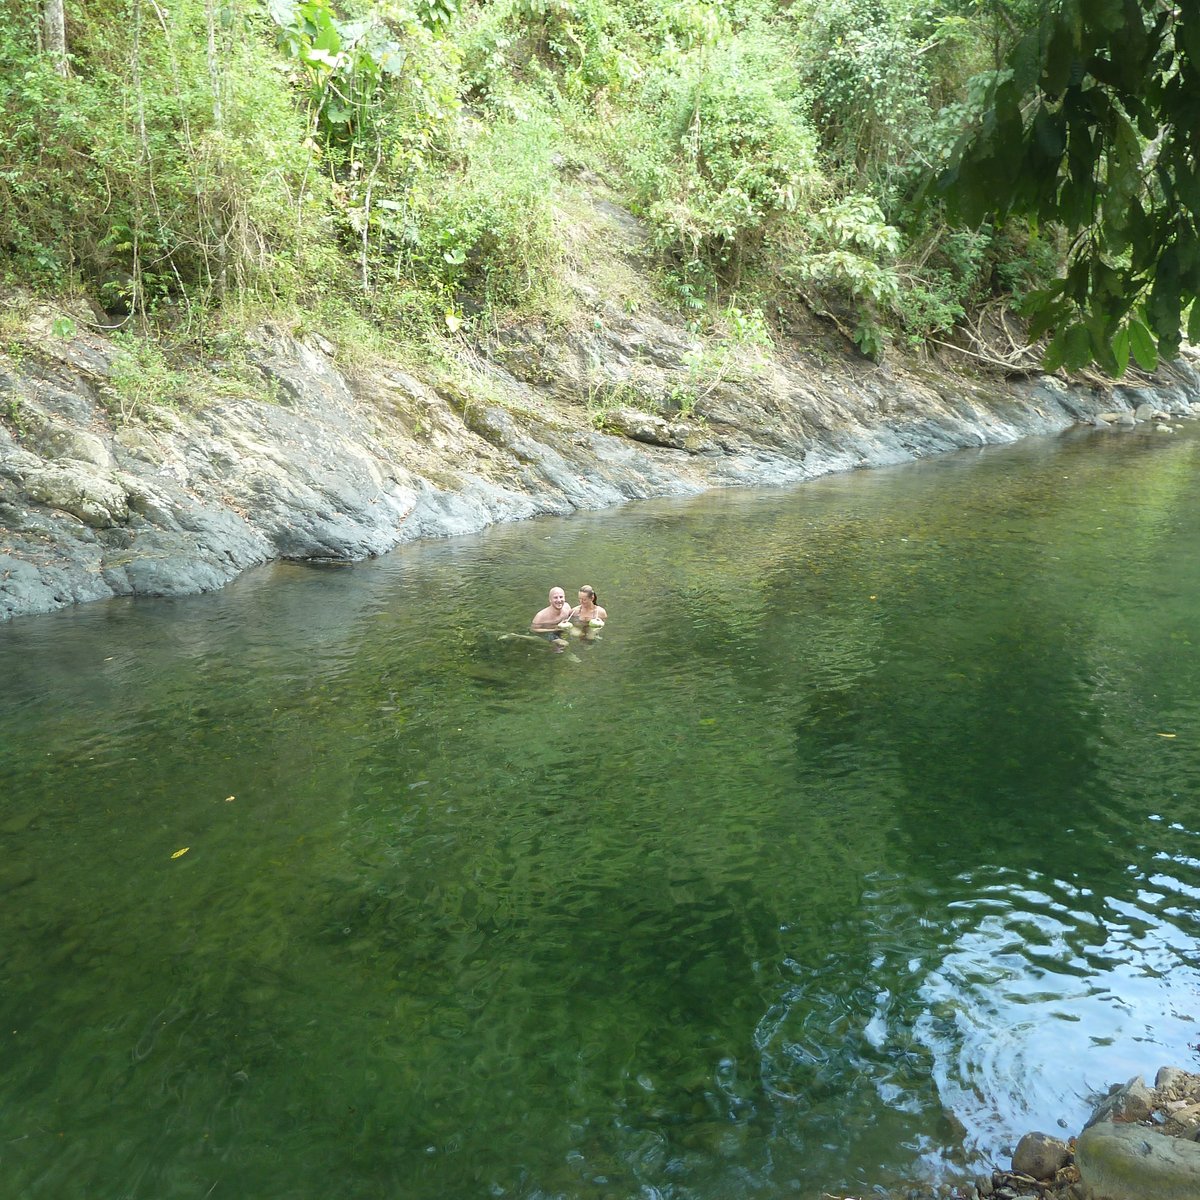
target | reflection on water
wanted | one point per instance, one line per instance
(862, 840)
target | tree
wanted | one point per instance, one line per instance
(54, 26)
(1095, 124)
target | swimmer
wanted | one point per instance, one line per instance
(556, 614)
(587, 613)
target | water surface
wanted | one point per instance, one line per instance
(865, 839)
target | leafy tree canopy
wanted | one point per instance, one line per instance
(1095, 124)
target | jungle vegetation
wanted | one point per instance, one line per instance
(912, 171)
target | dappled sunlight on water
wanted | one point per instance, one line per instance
(865, 839)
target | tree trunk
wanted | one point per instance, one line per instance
(220, 230)
(54, 24)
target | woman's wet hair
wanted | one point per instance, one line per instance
(588, 590)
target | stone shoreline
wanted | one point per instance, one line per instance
(116, 480)
(324, 460)
(1140, 1143)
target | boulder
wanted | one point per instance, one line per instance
(1130, 1162)
(645, 427)
(1040, 1156)
(95, 497)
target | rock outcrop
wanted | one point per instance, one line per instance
(306, 458)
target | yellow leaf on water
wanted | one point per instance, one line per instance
(179, 852)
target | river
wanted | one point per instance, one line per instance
(865, 839)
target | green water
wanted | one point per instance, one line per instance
(851, 852)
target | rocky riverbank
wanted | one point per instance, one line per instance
(324, 461)
(112, 484)
(1140, 1143)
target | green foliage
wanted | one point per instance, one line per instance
(865, 64)
(141, 378)
(437, 15)
(1093, 125)
(736, 337)
(951, 275)
(724, 153)
(345, 64)
(406, 165)
(381, 101)
(481, 232)
(155, 172)
(572, 46)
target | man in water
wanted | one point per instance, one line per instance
(554, 614)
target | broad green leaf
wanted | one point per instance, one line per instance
(283, 12)
(1141, 343)
(1056, 352)
(1108, 15)
(1048, 314)
(1120, 350)
(1187, 33)
(1101, 346)
(1077, 347)
(1165, 306)
(1060, 56)
(1049, 133)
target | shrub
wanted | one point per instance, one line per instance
(864, 62)
(482, 232)
(168, 165)
(726, 152)
(578, 47)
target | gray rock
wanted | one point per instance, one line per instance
(1040, 1155)
(1131, 1102)
(320, 462)
(1130, 1162)
(1172, 1083)
(56, 439)
(643, 427)
(94, 496)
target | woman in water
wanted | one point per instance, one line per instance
(588, 613)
